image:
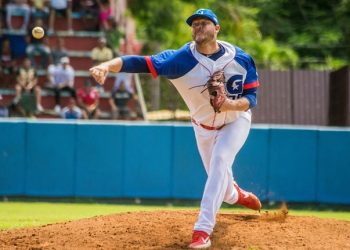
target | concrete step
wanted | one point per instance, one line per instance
(79, 24)
(79, 81)
(88, 24)
(82, 63)
(79, 43)
(84, 41)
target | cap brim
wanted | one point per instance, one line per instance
(194, 16)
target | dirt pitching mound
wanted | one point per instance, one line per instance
(172, 230)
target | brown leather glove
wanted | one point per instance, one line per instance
(217, 90)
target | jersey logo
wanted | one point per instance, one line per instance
(234, 86)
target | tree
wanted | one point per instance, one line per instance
(317, 30)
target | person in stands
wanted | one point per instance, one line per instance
(101, 52)
(60, 7)
(72, 111)
(61, 78)
(27, 81)
(88, 100)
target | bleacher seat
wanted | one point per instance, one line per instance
(79, 46)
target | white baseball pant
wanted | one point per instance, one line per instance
(218, 149)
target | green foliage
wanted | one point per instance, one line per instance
(239, 26)
(160, 24)
(113, 39)
(316, 30)
(271, 56)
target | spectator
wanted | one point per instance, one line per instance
(119, 102)
(60, 51)
(4, 111)
(72, 111)
(18, 8)
(27, 82)
(61, 78)
(88, 10)
(37, 46)
(2, 16)
(62, 7)
(125, 78)
(105, 14)
(7, 64)
(101, 52)
(88, 100)
(40, 9)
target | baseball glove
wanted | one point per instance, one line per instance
(217, 90)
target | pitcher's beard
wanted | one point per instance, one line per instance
(202, 38)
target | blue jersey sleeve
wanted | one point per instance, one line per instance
(247, 62)
(134, 64)
(251, 82)
(169, 63)
(250, 94)
(172, 63)
(159, 64)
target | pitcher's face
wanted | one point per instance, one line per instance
(204, 30)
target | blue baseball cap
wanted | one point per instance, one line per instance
(204, 13)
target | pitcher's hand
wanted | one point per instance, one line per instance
(99, 72)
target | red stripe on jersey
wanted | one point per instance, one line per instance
(151, 67)
(251, 85)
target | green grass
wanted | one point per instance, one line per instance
(338, 215)
(28, 213)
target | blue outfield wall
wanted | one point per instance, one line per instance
(149, 160)
(13, 154)
(292, 165)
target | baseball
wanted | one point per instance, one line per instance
(38, 32)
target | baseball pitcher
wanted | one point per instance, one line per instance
(218, 81)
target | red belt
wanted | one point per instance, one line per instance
(205, 126)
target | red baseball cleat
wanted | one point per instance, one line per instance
(247, 199)
(200, 240)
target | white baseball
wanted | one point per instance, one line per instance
(38, 32)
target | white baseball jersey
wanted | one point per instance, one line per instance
(61, 74)
(189, 70)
